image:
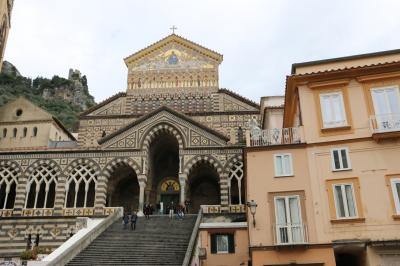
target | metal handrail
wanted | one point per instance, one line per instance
(289, 232)
(68, 254)
(384, 123)
(189, 251)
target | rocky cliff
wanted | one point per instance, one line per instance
(64, 98)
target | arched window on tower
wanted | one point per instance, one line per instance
(35, 131)
(41, 188)
(81, 187)
(25, 132)
(4, 132)
(8, 186)
(14, 133)
(236, 184)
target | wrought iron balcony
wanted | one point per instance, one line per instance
(384, 123)
(290, 234)
(276, 136)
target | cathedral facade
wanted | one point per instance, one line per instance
(173, 137)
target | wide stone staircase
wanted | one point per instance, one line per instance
(157, 241)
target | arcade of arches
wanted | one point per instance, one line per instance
(165, 184)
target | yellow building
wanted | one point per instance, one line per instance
(24, 125)
(327, 184)
(5, 16)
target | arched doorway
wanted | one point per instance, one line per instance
(163, 185)
(123, 189)
(203, 186)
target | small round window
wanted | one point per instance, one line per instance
(18, 112)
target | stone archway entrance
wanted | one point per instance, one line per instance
(123, 189)
(203, 186)
(169, 192)
(163, 185)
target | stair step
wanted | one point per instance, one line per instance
(156, 241)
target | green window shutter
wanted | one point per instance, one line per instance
(213, 244)
(231, 243)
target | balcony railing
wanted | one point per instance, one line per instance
(290, 234)
(45, 212)
(384, 123)
(276, 136)
(239, 208)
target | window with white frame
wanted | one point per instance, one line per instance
(332, 108)
(340, 159)
(386, 103)
(222, 243)
(289, 225)
(395, 182)
(344, 201)
(283, 164)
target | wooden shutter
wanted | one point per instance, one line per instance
(213, 244)
(231, 243)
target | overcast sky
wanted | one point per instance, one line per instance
(259, 39)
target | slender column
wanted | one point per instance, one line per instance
(223, 182)
(142, 185)
(240, 190)
(182, 183)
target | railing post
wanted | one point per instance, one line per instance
(248, 138)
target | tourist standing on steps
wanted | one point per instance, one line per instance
(133, 220)
(171, 210)
(147, 211)
(125, 220)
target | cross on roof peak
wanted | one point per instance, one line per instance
(173, 28)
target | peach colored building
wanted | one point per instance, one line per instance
(327, 184)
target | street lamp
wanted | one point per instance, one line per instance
(252, 205)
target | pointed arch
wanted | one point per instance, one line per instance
(209, 159)
(82, 178)
(117, 162)
(158, 129)
(9, 174)
(42, 181)
(235, 178)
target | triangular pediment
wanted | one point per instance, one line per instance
(22, 110)
(192, 133)
(173, 52)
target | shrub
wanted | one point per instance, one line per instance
(28, 255)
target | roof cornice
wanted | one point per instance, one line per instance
(347, 73)
(173, 37)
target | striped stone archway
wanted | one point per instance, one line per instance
(112, 166)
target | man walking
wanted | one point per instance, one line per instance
(125, 220)
(146, 211)
(133, 220)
